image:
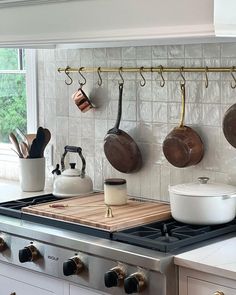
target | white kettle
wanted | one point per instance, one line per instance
(71, 182)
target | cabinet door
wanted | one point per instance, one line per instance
(19, 281)
(12, 286)
(199, 287)
(75, 290)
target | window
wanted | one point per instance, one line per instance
(17, 91)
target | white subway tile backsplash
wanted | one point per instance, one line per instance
(175, 51)
(212, 93)
(149, 112)
(193, 51)
(159, 51)
(129, 53)
(211, 50)
(159, 114)
(211, 114)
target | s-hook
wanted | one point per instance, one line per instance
(82, 83)
(67, 70)
(231, 72)
(122, 79)
(162, 82)
(182, 83)
(99, 76)
(143, 82)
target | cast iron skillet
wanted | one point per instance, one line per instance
(120, 149)
(229, 125)
(183, 146)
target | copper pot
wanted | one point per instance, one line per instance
(183, 147)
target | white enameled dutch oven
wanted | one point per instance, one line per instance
(203, 203)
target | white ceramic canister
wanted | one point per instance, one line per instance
(32, 174)
(115, 191)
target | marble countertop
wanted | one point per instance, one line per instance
(218, 258)
(10, 190)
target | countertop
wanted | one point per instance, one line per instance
(10, 190)
(218, 258)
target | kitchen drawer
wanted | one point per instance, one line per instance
(192, 282)
(199, 287)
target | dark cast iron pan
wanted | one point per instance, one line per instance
(120, 149)
(229, 125)
(183, 147)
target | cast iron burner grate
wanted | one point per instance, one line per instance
(170, 235)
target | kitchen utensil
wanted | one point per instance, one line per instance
(108, 213)
(203, 202)
(82, 101)
(38, 144)
(120, 149)
(15, 143)
(72, 182)
(29, 138)
(21, 135)
(47, 137)
(183, 146)
(24, 149)
(229, 125)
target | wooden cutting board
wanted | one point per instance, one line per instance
(82, 210)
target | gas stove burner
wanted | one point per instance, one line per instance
(174, 234)
(167, 239)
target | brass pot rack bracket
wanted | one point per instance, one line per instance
(142, 70)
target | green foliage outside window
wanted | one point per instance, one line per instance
(12, 95)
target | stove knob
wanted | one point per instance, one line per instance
(3, 244)
(29, 253)
(72, 266)
(114, 277)
(134, 283)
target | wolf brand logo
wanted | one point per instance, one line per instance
(53, 258)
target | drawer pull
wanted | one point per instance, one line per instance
(219, 293)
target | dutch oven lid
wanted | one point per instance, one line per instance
(203, 189)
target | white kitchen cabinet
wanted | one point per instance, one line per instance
(192, 282)
(76, 290)
(102, 22)
(17, 281)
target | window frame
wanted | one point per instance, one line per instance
(31, 100)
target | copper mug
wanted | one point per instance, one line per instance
(81, 100)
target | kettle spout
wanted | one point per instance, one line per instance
(56, 171)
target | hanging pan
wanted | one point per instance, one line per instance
(120, 149)
(183, 147)
(229, 120)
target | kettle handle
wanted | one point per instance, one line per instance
(74, 149)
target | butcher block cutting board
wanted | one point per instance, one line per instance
(83, 210)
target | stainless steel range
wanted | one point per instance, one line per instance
(136, 260)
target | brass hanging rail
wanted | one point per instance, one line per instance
(160, 70)
(150, 69)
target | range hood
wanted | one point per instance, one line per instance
(96, 23)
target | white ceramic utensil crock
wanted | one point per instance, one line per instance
(203, 203)
(72, 182)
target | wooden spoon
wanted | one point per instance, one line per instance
(47, 137)
(15, 142)
(24, 149)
